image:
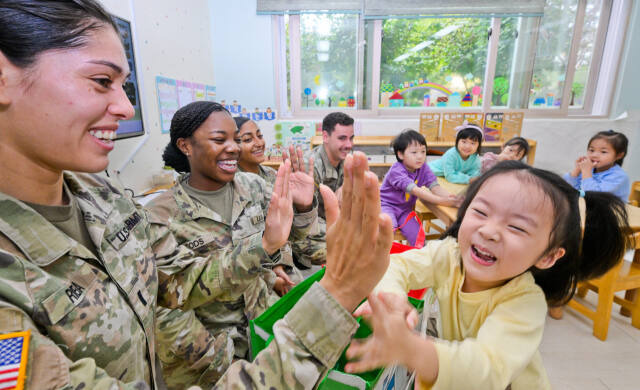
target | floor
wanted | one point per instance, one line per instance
(575, 359)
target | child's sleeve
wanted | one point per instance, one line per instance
(417, 268)
(451, 173)
(399, 179)
(616, 183)
(477, 166)
(505, 345)
(573, 181)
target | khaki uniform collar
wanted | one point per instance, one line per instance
(189, 210)
(40, 241)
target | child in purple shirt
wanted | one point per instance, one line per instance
(404, 182)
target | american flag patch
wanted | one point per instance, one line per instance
(14, 348)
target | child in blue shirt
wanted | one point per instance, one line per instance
(601, 169)
(462, 162)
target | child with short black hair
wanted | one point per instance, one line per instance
(601, 169)
(517, 148)
(405, 182)
(517, 244)
(462, 162)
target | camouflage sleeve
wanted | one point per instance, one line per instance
(307, 342)
(47, 365)
(303, 222)
(189, 353)
(187, 281)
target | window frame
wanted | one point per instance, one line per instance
(601, 80)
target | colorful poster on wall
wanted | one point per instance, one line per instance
(167, 90)
(173, 94)
(493, 126)
(511, 125)
(430, 125)
(295, 133)
(199, 92)
(210, 92)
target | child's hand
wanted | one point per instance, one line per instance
(391, 339)
(456, 200)
(365, 312)
(576, 167)
(586, 167)
(283, 282)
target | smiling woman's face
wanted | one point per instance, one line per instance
(213, 151)
(62, 112)
(251, 144)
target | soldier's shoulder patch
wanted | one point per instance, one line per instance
(14, 350)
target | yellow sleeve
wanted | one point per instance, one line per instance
(506, 344)
(419, 268)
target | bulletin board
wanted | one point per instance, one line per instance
(173, 94)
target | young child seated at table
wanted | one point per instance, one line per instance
(405, 182)
(601, 169)
(516, 148)
(460, 163)
(517, 244)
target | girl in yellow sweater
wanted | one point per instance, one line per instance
(517, 244)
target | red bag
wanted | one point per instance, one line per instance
(420, 238)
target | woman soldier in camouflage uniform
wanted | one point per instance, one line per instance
(76, 268)
(252, 147)
(213, 209)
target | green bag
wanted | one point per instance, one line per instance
(261, 329)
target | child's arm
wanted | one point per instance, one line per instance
(614, 183)
(430, 196)
(393, 341)
(449, 167)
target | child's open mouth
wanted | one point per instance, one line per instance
(482, 256)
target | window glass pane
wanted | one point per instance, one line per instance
(585, 52)
(328, 60)
(552, 53)
(505, 62)
(433, 62)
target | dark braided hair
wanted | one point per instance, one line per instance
(592, 255)
(183, 124)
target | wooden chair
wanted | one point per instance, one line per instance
(398, 236)
(427, 219)
(634, 195)
(624, 276)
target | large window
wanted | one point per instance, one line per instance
(548, 65)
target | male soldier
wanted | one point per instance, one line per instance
(337, 142)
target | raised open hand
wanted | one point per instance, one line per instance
(280, 213)
(358, 236)
(301, 183)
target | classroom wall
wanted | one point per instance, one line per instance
(243, 54)
(172, 39)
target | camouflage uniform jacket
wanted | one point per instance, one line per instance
(192, 227)
(325, 173)
(91, 317)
